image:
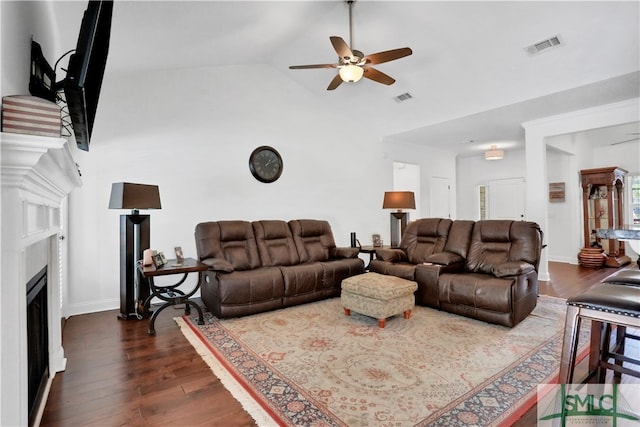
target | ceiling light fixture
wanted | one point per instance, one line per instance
(351, 73)
(493, 153)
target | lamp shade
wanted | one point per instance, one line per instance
(125, 195)
(399, 200)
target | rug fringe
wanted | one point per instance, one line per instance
(255, 410)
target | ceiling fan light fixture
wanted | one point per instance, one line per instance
(493, 153)
(351, 73)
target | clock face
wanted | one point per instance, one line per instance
(265, 164)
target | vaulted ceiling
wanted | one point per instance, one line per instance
(470, 77)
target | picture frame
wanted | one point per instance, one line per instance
(179, 255)
(157, 260)
(163, 258)
(377, 241)
(556, 192)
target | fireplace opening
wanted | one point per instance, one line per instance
(37, 341)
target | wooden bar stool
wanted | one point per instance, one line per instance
(615, 304)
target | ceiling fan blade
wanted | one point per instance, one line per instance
(625, 141)
(388, 55)
(341, 47)
(304, 67)
(378, 76)
(335, 82)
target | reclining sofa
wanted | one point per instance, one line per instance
(266, 265)
(486, 270)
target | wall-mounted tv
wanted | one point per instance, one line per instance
(86, 69)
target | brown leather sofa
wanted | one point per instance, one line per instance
(266, 265)
(486, 270)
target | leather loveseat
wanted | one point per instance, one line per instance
(486, 270)
(266, 265)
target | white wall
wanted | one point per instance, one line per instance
(191, 133)
(564, 227)
(475, 171)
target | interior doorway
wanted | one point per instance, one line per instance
(406, 177)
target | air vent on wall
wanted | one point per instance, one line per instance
(543, 45)
(405, 96)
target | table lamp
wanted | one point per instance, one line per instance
(398, 200)
(134, 239)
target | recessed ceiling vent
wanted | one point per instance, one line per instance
(404, 97)
(543, 45)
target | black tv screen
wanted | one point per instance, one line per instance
(86, 70)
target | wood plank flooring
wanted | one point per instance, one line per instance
(118, 375)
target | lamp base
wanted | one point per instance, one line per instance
(398, 222)
(134, 290)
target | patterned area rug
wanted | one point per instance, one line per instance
(313, 366)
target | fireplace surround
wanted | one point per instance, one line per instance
(37, 174)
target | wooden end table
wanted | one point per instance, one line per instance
(169, 293)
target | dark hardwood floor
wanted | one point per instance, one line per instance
(118, 375)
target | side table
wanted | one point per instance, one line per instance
(169, 293)
(371, 250)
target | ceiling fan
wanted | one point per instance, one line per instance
(627, 140)
(352, 64)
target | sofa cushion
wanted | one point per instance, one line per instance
(275, 243)
(391, 255)
(494, 242)
(218, 264)
(512, 268)
(404, 270)
(246, 287)
(424, 237)
(476, 290)
(233, 241)
(313, 238)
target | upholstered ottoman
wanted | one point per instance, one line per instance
(378, 295)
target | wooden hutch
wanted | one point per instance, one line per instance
(602, 207)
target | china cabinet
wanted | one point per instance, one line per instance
(602, 206)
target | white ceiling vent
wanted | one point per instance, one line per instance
(544, 45)
(404, 97)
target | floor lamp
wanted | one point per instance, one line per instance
(134, 239)
(398, 200)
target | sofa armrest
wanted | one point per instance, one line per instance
(428, 277)
(345, 252)
(445, 258)
(218, 264)
(512, 268)
(391, 255)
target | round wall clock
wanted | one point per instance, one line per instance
(265, 163)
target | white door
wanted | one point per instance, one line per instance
(439, 197)
(406, 177)
(506, 199)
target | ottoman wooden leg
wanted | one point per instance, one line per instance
(407, 314)
(382, 322)
(347, 311)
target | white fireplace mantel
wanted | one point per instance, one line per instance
(37, 174)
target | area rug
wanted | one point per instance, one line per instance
(311, 365)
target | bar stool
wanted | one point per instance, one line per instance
(615, 304)
(629, 277)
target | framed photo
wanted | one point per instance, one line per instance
(163, 258)
(157, 260)
(556, 192)
(179, 255)
(377, 241)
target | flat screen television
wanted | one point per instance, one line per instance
(86, 70)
